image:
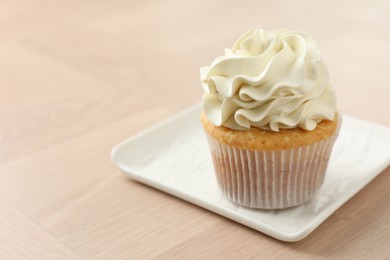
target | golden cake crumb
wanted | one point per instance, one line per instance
(259, 139)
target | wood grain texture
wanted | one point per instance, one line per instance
(22, 238)
(77, 77)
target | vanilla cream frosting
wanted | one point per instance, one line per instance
(270, 80)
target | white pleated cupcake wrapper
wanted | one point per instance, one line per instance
(271, 179)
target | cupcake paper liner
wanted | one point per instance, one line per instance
(271, 179)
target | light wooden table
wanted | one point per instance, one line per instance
(77, 77)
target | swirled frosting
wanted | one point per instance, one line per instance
(269, 80)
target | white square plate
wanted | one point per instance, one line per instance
(174, 157)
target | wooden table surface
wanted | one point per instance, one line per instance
(77, 77)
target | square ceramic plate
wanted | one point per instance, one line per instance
(174, 157)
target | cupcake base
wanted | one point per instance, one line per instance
(273, 179)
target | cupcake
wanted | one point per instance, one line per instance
(270, 117)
